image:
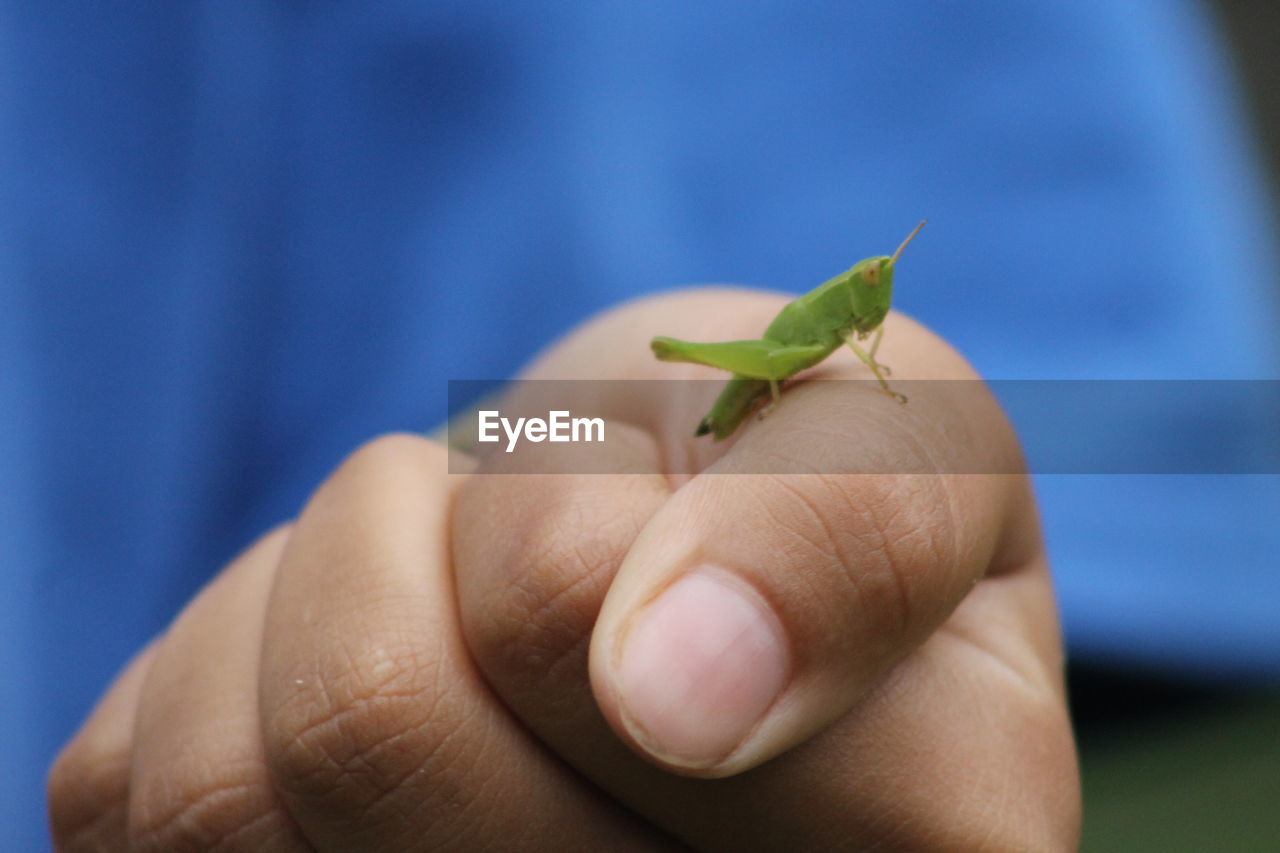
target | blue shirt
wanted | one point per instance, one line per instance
(236, 240)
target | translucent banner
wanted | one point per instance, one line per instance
(854, 427)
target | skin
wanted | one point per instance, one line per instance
(425, 661)
(805, 332)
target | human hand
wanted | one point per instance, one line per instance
(869, 661)
(318, 695)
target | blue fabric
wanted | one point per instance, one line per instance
(238, 239)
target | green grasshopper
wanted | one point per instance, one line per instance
(850, 306)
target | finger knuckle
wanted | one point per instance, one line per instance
(86, 793)
(876, 534)
(389, 452)
(373, 477)
(198, 801)
(542, 612)
(908, 538)
(374, 723)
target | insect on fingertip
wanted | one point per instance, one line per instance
(807, 330)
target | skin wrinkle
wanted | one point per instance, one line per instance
(897, 824)
(953, 525)
(532, 626)
(568, 657)
(576, 562)
(994, 816)
(812, 585)
(92, 831)
(877, 527)
(332, 743)
(488, 780)
(541, 620)
(888, 817)
(524, 680)
(659, 835)
(421, 700)
(860, 421)
(958, 556)
(837, 543)
(849, 567)
(880, 527)
(364, 699)
(196, 817)
(439, 762)
(922, 451)
(897, 582)
(935, 536)
(391, 785)
(169, 804)
(500, 634)
(218, 777)
(453, 758)
(232, 840)
(782, 522)
(576, 655)
(374, 662)
(1031, 682)
(817, 591)
(78, 782)
(832, 540)
(498, 638)
(474, 797)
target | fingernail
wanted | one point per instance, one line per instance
(699, 667)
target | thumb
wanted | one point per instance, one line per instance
(753, 610)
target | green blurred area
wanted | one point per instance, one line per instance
(1173, 768)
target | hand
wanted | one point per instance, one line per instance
(318, 695)
(869, 661)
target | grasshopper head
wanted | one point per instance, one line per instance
(878, 272)
(873, 292)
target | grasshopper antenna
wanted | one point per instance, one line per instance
(915, 231)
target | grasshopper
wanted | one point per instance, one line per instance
(843, 310)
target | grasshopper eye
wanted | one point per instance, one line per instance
(871, 275)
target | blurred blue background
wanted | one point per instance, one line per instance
(236, 240)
